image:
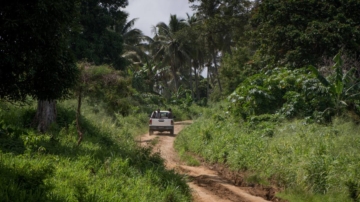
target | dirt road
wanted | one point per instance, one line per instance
(207, 184)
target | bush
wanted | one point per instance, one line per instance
(290, 93)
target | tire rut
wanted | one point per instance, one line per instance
(207, 185)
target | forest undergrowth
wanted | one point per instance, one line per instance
(107, 166)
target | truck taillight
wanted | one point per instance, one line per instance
(150, 121)
(172, 122)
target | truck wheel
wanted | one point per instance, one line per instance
(150, 132)
(171, 132)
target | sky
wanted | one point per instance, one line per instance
(151, 12)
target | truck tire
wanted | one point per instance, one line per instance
(150, 132)
(172, 132)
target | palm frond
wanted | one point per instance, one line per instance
(128, 26)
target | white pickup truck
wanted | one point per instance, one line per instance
(164, 123)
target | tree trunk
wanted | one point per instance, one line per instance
(196, 84)
(78, 113)
(45, 114)
(191, 83)
(173, 72)
(208, 82)
(175, 79)
(216, 71)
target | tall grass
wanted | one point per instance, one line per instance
(312, 162)
(107, 166)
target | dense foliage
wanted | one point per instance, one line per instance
(100, 40)
(300, 33)
(107, 86)
(35, 58)
(297, 93)
(292, 93)
(236, 68)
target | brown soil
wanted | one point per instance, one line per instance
(208, 182)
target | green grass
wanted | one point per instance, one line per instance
(107, 166)
(312, 162)
(188, 158)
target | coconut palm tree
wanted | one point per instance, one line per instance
(197, 52)
(170, 48)
(131, 36)
(136, 45)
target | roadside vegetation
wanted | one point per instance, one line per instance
(293, 129)
(312, 162)
(109, 165)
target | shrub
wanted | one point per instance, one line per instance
(291, 93)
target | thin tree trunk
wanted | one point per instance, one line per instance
(173, 70)
(216, 71)
(208, 82)
(191, 84)
(45, 115)
(196, 83)
(78, 114)
(215, 63)
(152, 80)
(166, 89)
(212, 76)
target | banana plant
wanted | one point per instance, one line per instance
(344, 89)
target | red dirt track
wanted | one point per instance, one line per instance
(217, 184)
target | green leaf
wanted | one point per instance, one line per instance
(343, 102)
(319, 76)
(339, 87)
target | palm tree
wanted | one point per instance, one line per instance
(197, 52)
(131, 36)
(136, 53)
(221, 24)
(169, 47)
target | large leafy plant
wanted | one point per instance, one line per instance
(343, 87)
(290, 93)
(182, 98)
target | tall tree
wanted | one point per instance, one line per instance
(34, 56)
(169, 48)
(193, 35)
(135, 51)
(223, 23)
(302, 32)
(99, 40)
(131, 36)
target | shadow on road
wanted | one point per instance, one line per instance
(163, 134)
(142, 141)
